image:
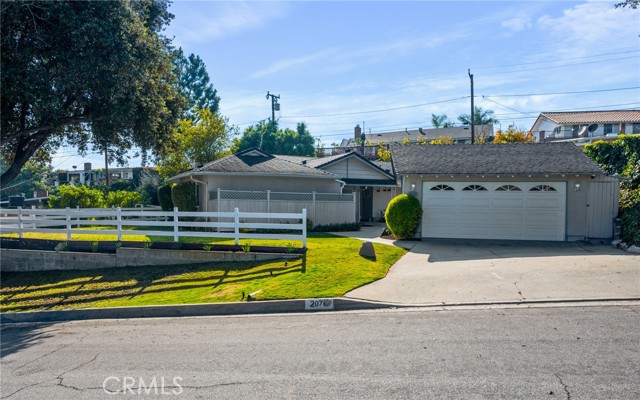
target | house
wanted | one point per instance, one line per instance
(258, 180)
(459, 134)
(522, 191)
(584, 126)
(88, 176)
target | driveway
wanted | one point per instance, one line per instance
(438, 271)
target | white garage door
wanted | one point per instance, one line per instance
(494, 210)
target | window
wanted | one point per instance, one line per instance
(608, 128)
(508, 188)
(475, 188)
(542, 188)
(575, 129)
(636, 128)
(442, 187)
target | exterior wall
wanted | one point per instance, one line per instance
(354, 168)
(567, 130)
(275, 184)
(381, 198)
(577, 200)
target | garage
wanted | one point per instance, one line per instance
(494, 210)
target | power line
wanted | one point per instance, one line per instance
(376, 111)
(558, 60)
(555, 93)
(512, 109)
(559, 66)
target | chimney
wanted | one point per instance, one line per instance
(87, 166)
(357, 132)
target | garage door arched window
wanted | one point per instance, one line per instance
(508, 188)
(543, 188)
(442, 187)
(475, 188)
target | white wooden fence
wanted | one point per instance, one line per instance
(228, 225)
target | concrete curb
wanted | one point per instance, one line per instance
(255, 307)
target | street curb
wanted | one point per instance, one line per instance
(255, 307)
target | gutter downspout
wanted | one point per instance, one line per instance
(206, 192)
(342, 184)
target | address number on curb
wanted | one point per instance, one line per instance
(318, 304)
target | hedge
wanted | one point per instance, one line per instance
(403, 216)
(164, 198)
(183, 196)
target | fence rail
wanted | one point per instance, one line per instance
(229, 225)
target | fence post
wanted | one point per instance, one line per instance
(236, 225)
(315, 213)
(68, 217)
(78, 217)
(355, 209)
(175, 224)
(268, 202)
(304, 227)
(32, 217)
(218, 210)
(20, 224)
(119, 223)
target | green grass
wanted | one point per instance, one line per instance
(333, 267)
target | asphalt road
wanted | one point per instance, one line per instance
(538, 353)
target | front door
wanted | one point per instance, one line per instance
(366, 204)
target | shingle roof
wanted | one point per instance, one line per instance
(248, 164)
(312, 162)
(589, 117)
(513, 158)
(455, 132)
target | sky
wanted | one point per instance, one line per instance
(389, 65)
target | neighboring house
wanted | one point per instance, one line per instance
(89, 176)
(459, 134)
(255, 175)
(522, 191)
(583, 126)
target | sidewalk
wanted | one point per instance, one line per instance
(442, 271)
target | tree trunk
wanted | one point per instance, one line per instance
(24, 151)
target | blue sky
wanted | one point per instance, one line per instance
(390, 65)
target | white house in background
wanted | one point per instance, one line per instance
(585, 125)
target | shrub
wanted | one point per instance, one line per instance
(77, 196)
(631, 224)
(403, 216)
(183, 196)
(123, 198)
(149, 182)
(164, 198)
(121, 184)
(343, 227)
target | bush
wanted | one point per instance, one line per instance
(164, 198)
(149, 182)
(631, 224)
(123, 198)
(77, 196)
(403, 216)
(183, 196)
(120, 185)
(343, 227)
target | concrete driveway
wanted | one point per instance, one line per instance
(471, 271)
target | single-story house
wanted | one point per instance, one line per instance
(296, 182)
(585, 125)
(522, 191)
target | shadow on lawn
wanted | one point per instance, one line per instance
(23, 291)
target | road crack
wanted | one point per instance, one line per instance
(564, 386)
(60, 377)
(519, 291)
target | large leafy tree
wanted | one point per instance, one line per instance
(267, 136)
(196, 141)
(629, 3)
(194, 84)
(85, 73)
(512, 135)
(480, 117)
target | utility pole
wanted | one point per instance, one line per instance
(275, 106)
(473, 132)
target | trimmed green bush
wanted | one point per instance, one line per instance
(343, 227)
(631, 224)
(77, 196)
(403, 216)
(164, 198)
(183, 196)
(123, 198)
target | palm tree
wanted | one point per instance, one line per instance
(480, 117)
(440, 121)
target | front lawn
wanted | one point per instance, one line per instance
(333, 267)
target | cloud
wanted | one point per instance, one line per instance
(215, 20)
(518, 23)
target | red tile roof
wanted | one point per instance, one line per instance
(590, 117)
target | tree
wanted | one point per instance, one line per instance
(384, 153)
(512, 135)
(442, 140)
(83, 73)
(196, 142)
(480, 117)
(194, 84)
(440, 121)
(266, 135)
(32, 177)
(629, 3)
